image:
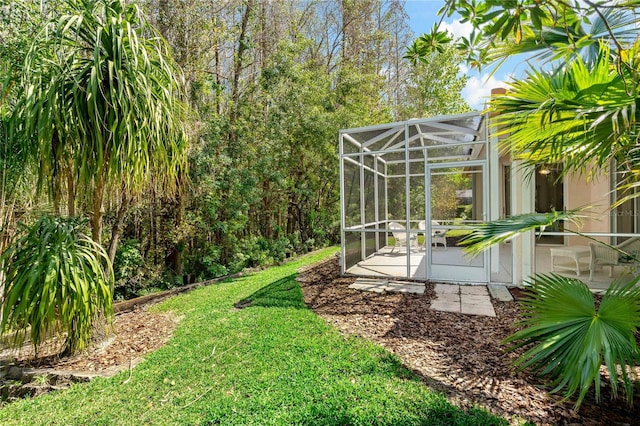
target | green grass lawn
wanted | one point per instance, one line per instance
(272, 363)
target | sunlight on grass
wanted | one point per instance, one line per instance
(274, 362)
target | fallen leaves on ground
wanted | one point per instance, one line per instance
(460, 355)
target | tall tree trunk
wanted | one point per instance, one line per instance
(175, 259)
(56, 174)
(238, 65)
(71, 193)
(218, 102)
(98, 212)
(163, 17)
(116, 230)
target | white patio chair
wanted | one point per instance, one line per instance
(602, 255)
(438, 236)
(399, 233)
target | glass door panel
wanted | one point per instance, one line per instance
(457, 201)
(550, 197)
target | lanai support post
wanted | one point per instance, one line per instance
(523, 191)
(494, 193)
(407, 199)
(343, 241)
(363, 237)
(376, 209)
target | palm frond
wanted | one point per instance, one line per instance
(580, 115)
(568, 339)
(498, 231)
(55, 282)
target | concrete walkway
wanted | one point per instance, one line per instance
(463, 299)
(381, 285)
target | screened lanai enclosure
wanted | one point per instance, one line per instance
(410, 190)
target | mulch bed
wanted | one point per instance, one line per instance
(135, 333)
(460, 355)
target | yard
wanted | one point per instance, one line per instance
(278, 347)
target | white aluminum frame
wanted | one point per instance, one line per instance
(396, 138)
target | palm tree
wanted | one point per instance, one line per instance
(56, 284)
(102, 109)
(582, 113)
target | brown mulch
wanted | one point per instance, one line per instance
(460, 355)
(134, 334)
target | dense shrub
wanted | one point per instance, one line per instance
(55, 284)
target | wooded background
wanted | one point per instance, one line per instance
(269, 83)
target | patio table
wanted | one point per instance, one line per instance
(573, 252)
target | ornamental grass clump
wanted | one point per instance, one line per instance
(58, 281)
(568, 337)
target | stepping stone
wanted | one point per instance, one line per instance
(474, 290)
(380, 286)
(500, 292)
(445, 306)
(405, 287)
(447, 288)
(448, 297)
(366, 284)
(465, 299)
(476, 301)
(484, 309)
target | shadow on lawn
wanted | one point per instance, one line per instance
(283, 293)
(341, 408)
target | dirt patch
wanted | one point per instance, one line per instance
(134, 334)
(460, 355)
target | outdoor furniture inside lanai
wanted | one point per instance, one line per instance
(625, 254)
(438, 236)
(399, 234)
(575, 253)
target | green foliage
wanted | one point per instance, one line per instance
(274, 362)
(434, 86)
(568, 338)
(208, 265)
(134, 276)
(580, 111)
(102, 98)
(128, 269)
(580, 115)
(55, 283)
(485, 235)
(552, 30)
(262, 178)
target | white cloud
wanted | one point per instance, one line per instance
(478, 89)
(458, 29)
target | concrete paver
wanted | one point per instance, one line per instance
(447, 288)
(465, 299)
(381, 286)
(444, 306)
(500, 292)
(448, 297)
(471, 300)
(474, 299)
(474, 290)
(475, 309)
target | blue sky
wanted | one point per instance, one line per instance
(422, 16)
